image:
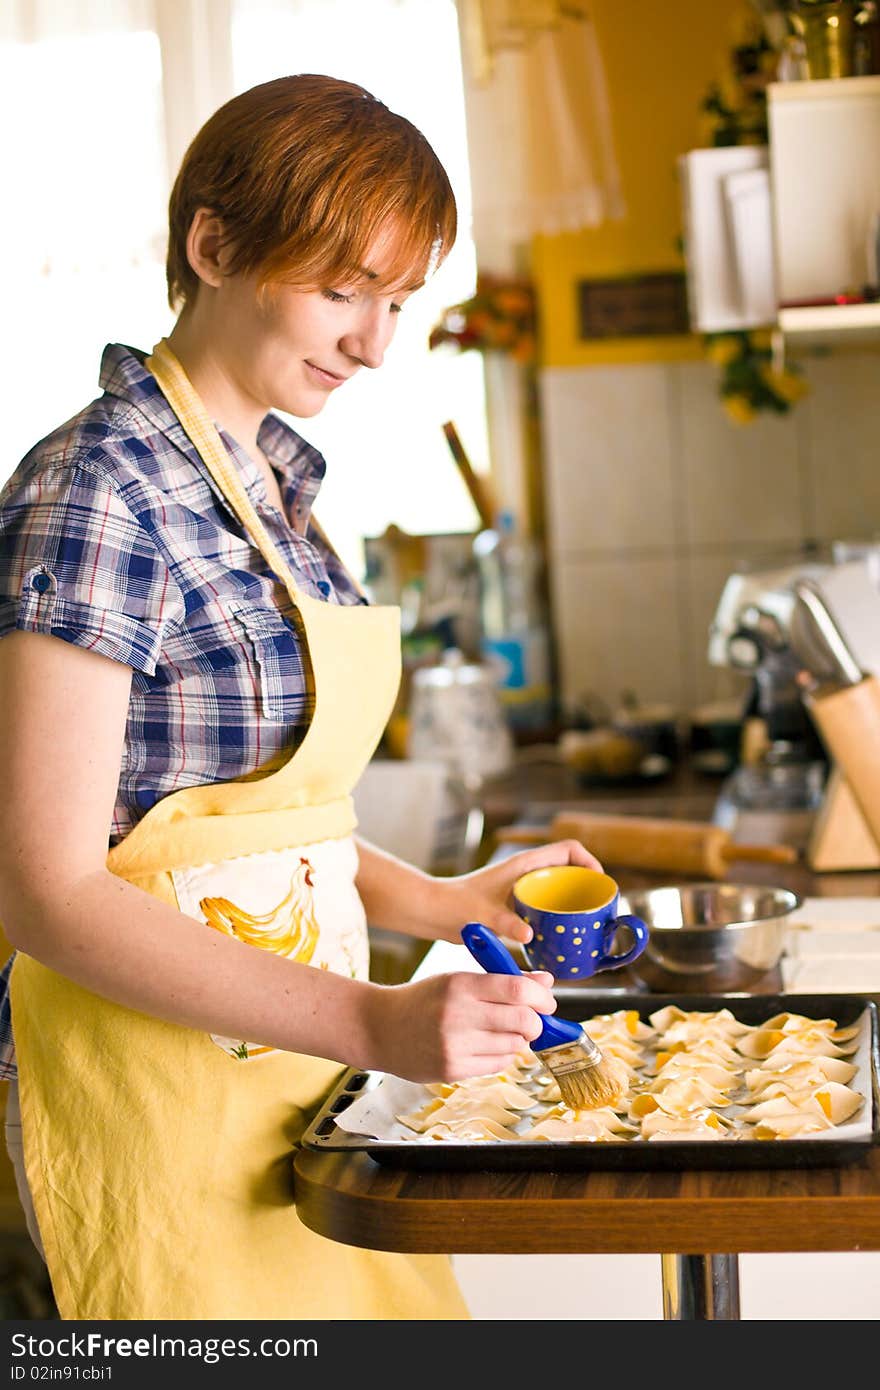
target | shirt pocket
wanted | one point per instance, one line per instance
(276, 651)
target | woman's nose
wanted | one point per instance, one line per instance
(369, 339)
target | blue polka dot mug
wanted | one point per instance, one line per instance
(573, 914)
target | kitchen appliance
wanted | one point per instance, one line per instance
(805, 633)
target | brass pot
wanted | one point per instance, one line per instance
(827, 28)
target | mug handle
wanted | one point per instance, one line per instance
(639, 931)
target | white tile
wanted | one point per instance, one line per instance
(617, 628)
(534, 1288)
(842, 437)
(741, 483)
(607, 458)
(841, 1286)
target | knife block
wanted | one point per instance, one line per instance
(840, 838)
(846, 832)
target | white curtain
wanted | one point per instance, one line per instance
(539, 124)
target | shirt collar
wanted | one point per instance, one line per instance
(124, 376)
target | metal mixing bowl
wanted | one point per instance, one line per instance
(707, 937)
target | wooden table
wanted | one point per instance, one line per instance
(698, 1222)
(713, 1216)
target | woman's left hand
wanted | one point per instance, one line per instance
(485, 894)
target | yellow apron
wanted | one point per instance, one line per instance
(160, 1159)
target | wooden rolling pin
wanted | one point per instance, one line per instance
(694, 849)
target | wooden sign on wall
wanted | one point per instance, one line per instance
(633, 306)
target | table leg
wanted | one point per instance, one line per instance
(700, 1286)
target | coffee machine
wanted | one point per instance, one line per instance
(792, 629)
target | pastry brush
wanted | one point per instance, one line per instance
(570, 1055)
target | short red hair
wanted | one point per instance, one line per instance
(305, 173)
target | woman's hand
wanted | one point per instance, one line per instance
(485, 894)
(448, 1027)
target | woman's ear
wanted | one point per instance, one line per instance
(205, 249)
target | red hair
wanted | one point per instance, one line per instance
(305, 173)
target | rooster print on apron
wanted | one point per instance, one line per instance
(278, 901)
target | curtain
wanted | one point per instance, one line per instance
(539, 124)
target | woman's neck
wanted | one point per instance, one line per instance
(215, 383)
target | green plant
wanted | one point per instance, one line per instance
(750, 381)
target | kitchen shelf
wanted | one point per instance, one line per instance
(824, 323)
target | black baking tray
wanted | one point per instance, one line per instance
(325, 1134)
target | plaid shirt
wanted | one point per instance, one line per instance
(114, 536)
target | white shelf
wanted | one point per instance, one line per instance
(832, 322)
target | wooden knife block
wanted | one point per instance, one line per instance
(840, 838)
(846, 832)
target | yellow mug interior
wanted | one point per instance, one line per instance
(565, 888)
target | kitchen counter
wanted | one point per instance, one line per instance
(540, 785)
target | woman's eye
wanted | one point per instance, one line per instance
(335, 297)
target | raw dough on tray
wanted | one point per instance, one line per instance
(688, 1076)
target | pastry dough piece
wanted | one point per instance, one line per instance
(686, 1064)
(491, 1089)
(584, 1125)
(456, 1108)
(831, 1101)
(806, 1042)
(768, 1080)
(714, 1050)
(624, 1023)
(716, 1022)
(471, 1129)
(700, 1124)
(796, 1023)
(791, 1126)
(680, 1097)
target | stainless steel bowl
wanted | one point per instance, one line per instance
(709, 936)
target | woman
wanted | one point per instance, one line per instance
(182, 1003)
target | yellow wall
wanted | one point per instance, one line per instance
(659, 58)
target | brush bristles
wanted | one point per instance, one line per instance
(585, 1080)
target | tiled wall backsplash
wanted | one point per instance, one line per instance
(654, 497)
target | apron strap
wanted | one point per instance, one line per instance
(189, 408)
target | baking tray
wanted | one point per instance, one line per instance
(325, 1135)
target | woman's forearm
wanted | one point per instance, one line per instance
(127, 946)
(400, 897)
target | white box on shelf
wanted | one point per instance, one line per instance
(728, 238)
(825, 178)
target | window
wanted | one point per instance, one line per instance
(83, 241)
(83, 245)
(387, 457)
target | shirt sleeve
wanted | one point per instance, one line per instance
(75, 563)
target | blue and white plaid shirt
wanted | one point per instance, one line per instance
(114, 536)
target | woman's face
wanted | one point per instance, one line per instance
(289, 348)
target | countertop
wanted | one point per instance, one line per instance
(540, 785)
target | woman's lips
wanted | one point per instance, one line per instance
(329, 379)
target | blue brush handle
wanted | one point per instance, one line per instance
(493, 955)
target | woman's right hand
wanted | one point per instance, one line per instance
(449, 1027)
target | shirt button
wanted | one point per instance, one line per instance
(323, 588)
(41, 582)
